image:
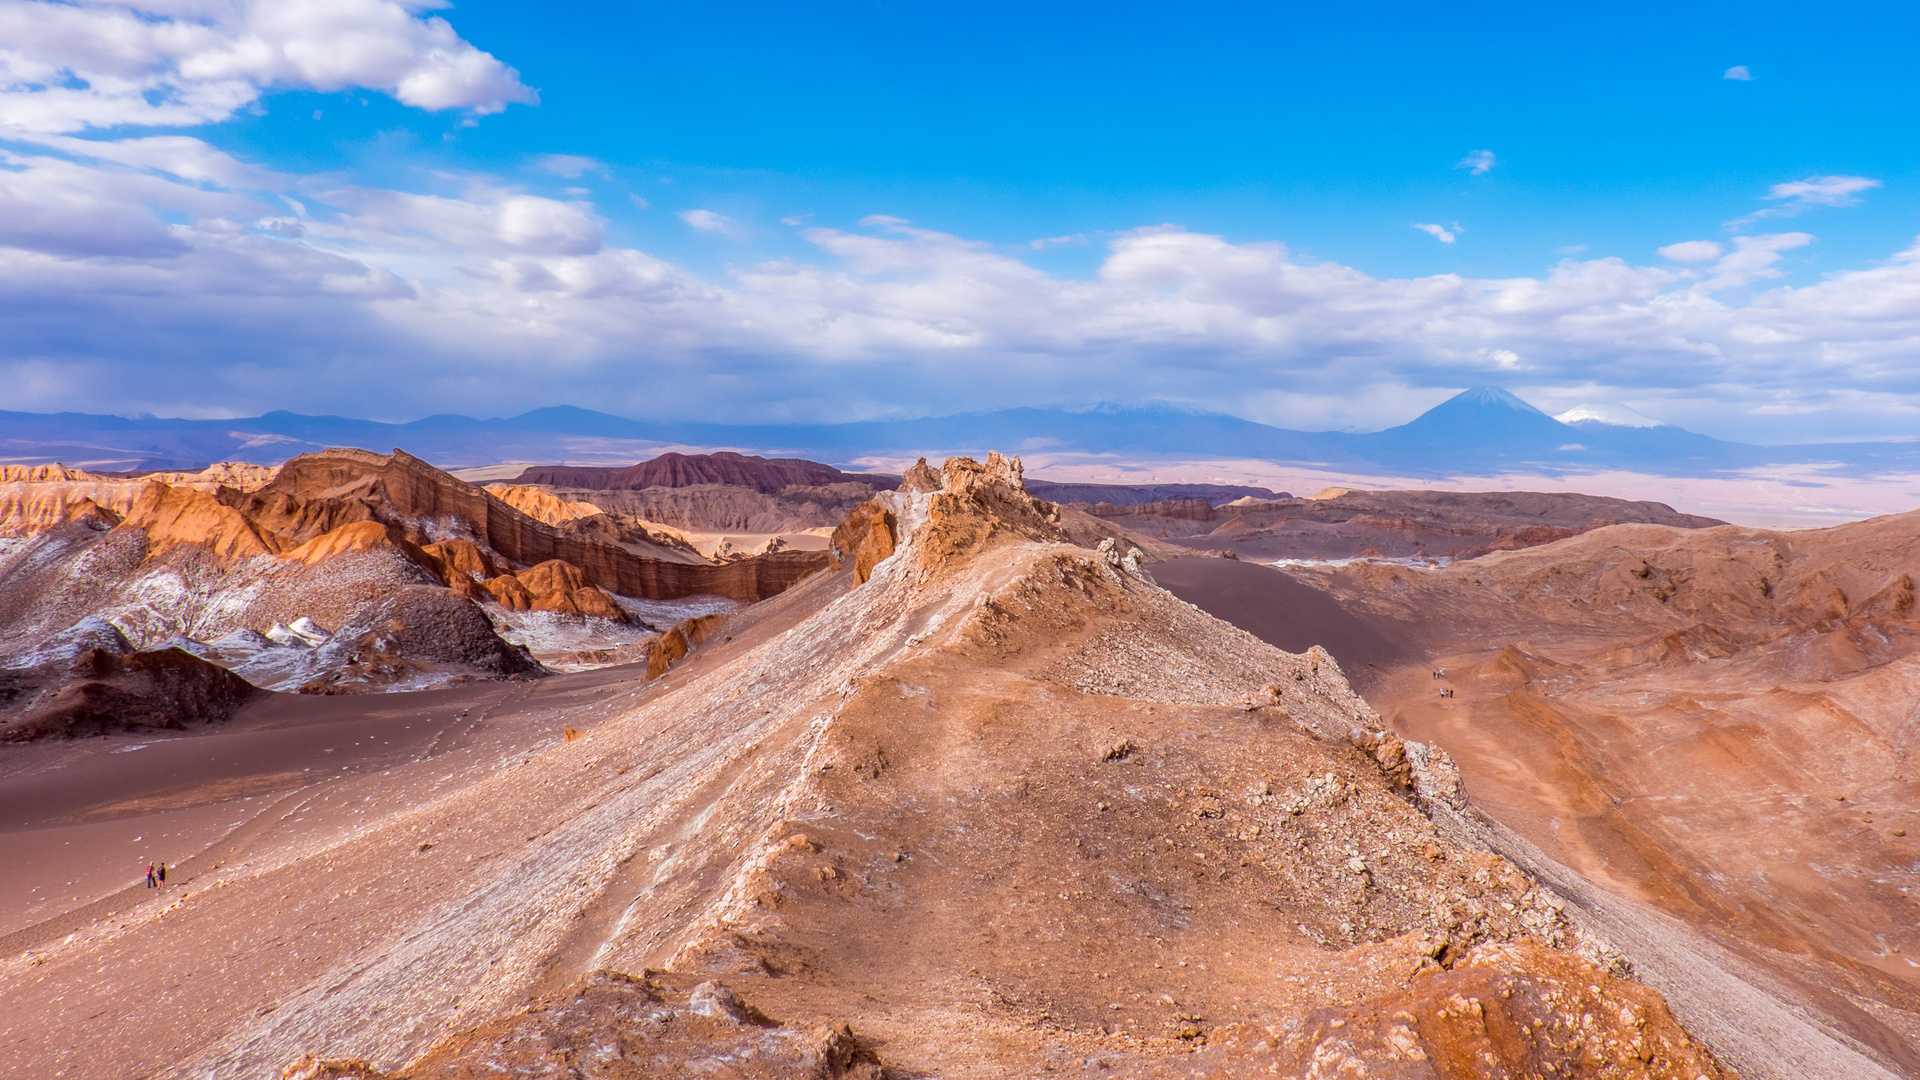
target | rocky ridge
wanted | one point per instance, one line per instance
(769, 476)
(1709, 723)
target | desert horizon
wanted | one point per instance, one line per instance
(865, 541)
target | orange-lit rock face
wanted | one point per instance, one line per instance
(336, 486)
(171, 516)
(465, 557)
(866, 537)
(339, 501)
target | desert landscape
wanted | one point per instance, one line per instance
(728, 765)
(876, 541)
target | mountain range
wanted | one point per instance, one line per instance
(1478, 431)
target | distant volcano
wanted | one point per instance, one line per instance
(1480, 430)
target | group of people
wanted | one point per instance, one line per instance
(1441, 673)
(156, 875)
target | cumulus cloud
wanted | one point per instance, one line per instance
(1753, 258)
(1439, 232)
(68, 67)
(143, 272)
(1480, 162)
(1043, 243)
(1738, 73)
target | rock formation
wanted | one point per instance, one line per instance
(326, 536)
(90, 681)
(769, 476)
(411, 636)
(865, 537)
(1344, 523)
(315, 493)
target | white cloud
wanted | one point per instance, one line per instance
(640, 201)
(1075, 240)
(1439, 232)
(1822, 191)
(143, 272)
(1691, 251)
(1480, 161)
(1801, 195)
(1738, 73)
(1752, 259)
(569, 166)
(708, 221)
(67, 67)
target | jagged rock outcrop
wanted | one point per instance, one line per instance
(680, 639)
(865, 537)
(36, 498)
(558, 585)
(316, 493)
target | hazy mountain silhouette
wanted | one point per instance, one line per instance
(1485, 429)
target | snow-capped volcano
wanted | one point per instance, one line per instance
(1616, 415)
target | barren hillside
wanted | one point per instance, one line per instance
(1710, 724)
(982, 802)
(1342, 523)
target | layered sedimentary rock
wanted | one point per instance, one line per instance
(323, 538)
(316, 493)
(35, 498)
(767, 475)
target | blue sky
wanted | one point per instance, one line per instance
(1312, 215)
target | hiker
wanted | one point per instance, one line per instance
(151, 882)
(163, 873)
